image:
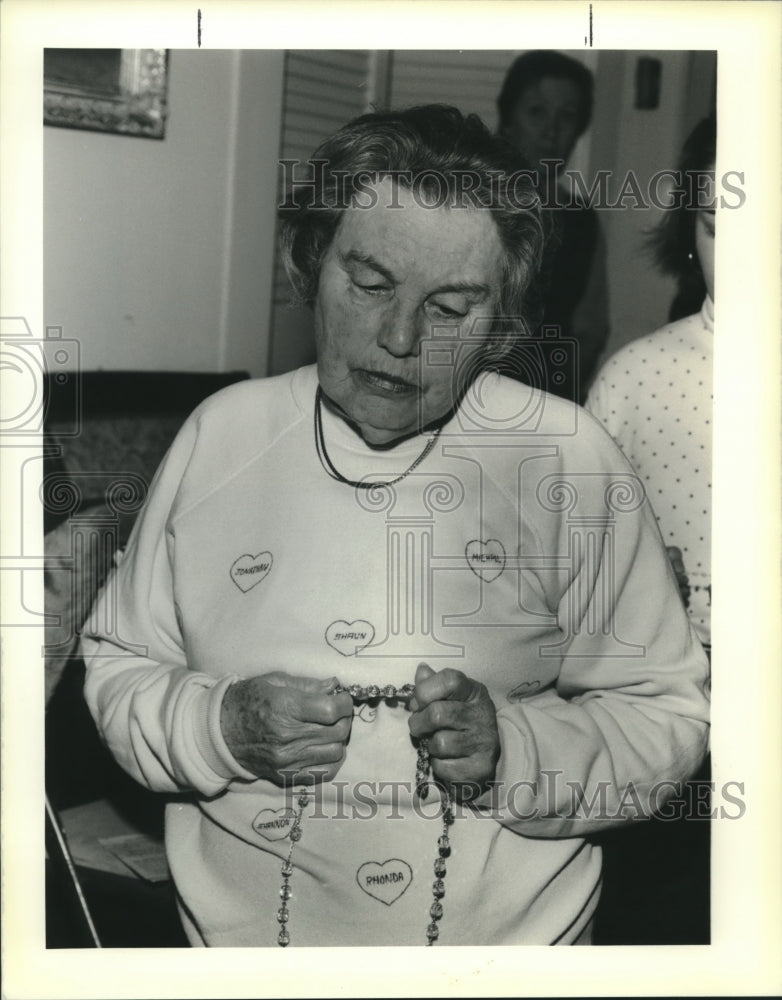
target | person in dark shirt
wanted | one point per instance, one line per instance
(544, 106)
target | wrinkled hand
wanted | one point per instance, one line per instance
(287, 729)
(677, 564)
(457, 716)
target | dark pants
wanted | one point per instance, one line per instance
(656, 875)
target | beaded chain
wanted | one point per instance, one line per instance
(294, 835)
(374, 692)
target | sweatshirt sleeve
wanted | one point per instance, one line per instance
(628, 717)
(160, 719)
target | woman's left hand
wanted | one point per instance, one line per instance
(457, 716)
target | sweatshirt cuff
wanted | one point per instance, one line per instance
(208, 734)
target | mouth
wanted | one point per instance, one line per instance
(391, 385)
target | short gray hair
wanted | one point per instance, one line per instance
(452, 158)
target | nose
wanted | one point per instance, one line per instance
(401, 331)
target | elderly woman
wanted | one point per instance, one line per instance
(402, 629)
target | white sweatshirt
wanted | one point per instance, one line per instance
(520, 551)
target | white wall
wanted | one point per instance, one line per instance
(471, 80)
(323, 89)
(158, 253)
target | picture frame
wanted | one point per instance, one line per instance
(123, 91)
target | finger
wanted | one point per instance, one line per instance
(423, 671)
(322, 710)
(446, 685)
(453, 744)
(311, 685)
(450, 744)
(438, 715)
(319, 734)
(304, 754)
(465, 779)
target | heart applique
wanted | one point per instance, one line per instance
(386, 881)
(248, 571)
(485, 559)
(349, 637)
(523, 690)
(274, 824)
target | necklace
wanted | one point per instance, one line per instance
(374, 692)
(328, 465)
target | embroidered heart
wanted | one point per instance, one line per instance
(386, 881)
(273, 824)
(486, 559)
(523, 690)
(248, 571)
(349, 637)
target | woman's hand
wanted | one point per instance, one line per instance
(457, 716)
(287, 729)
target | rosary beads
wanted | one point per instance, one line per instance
(373, 692)
(294, 835)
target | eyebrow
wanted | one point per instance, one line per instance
(463, 287)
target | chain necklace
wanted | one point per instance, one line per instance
(328, 465)
(374, 692)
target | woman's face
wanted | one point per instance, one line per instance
(544, 123)
(405, 297)
(704, 240)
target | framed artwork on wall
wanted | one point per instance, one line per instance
(107, 90)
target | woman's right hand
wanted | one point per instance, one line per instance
(287, 729)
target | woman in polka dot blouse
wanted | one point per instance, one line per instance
(655, 395)
(655, 398)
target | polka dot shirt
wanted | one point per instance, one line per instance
(655, 399)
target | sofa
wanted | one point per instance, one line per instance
(104, 435)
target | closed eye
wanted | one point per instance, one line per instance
(449, 313)
(450, 305)
(370, 289)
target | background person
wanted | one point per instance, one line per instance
(544, 107)
(655, 398)
(344, 577)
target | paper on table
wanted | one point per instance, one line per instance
(144, 855)
(90, 827)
